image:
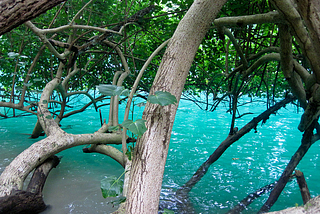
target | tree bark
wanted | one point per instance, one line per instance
(16, 12)
(152, 148)
(29, 201)
(305, 194)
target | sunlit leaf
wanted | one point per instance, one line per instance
(12, 54)
(28, 84)
(22, 63)
(19, 88)
(110, 90)
(137, 127)
(162, 98)
(125, 92)
(37, 79)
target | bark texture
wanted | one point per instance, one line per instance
(29, 201)
(15, 12)
(152, 149)
(304, 190)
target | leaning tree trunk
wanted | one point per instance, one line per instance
(152, 149)
(14, 13)
(306, 142)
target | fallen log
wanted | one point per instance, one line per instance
(29, 201)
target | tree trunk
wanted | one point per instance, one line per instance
(14, 13)
(305, 194)
(152, 149)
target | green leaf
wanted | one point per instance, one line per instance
(166, 211)
(45, 101)
(162, 98)
(49, 117)
(137, 127)
(129, 152)
(111, 187)
(110, 90)
(113, 128)
(12, 54)
(37, 79)
(125, 92)
(19, 88)
(27, 84)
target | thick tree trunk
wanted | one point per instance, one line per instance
(14, 12)
(152, 149)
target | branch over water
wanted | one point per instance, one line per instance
(182, 193)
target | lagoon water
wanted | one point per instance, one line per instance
(256, 160)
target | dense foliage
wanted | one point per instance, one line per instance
(214, 72)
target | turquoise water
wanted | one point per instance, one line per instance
(256, 160)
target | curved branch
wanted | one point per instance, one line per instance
(13, 176)
(44, 39)
(83, 27)
(237, 47)
(120, 80)
(287, 65)
(79, 12)
(107, 150)
(291, 15)
(85, 93)
(17, 106)
(270, 17)
(138, 78)
(260, 61)
(34, 62)
(264, 51)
